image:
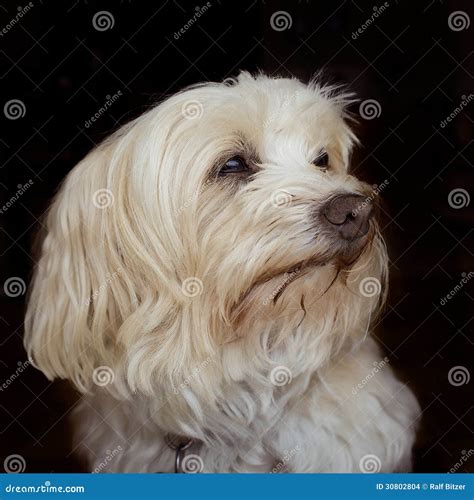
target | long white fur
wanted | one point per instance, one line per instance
(108, 291)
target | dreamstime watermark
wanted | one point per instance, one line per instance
(47, 487)
(103, 198)
(109, 277)
(14, 287)
(287, 279)
(193, 198)
(281, 198)
(103, 20)
(22, 366)
(192, 464)
(281, 465)
(103, 375)
(110, 455)
(276, 114)
(459, 20)
(465, 456)
(370, 109)
(14, 109)
(192, 287)
(192, 109)
(377, 11)
(370, 287)
(22, 188)
(370, 464)
(458, 198)
(21, 12)
(14, 464)
(281, 375)
(466, 99)
(194, 373)
(281, 20)
(111, 99)
(378, 366)
(459, 375)
(465, 278)
(199, 11)
(377, 189)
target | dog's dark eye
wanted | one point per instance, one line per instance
(322, 160)
(236, 165)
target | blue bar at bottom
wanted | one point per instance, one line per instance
(237, 486)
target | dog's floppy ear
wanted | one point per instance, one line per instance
(75, 294)
(107, 289)
(94, 294)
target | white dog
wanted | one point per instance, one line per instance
(208, 279)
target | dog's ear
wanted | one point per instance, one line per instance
(74, 298)
(108, 286)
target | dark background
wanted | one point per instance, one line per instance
(409, 60)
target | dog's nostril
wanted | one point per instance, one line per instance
(349, 215)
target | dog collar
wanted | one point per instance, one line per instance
(179, 444)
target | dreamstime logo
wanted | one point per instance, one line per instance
(280, 466)
(465, 100)
(22, 188)
(458, 20)
(458, 198)
(377, 189)
(109, 277)
(370, 109)
(103, 20)
(14, 109)
(14, 287)
(378, 366)
(192, 109)
(281, 20)
(370, 287)
(192, 287)
(465, 456)
(198, 12)
(230, 81)
(287, 279)
(103, 375)
(377, 11)
(21, 11)
(281, 198)
(103, 198)
(370, 464)
(110, 455)
(281, 375)
(192, 464)
(465, 278)
(459, 375)
(22, 366)
(276, 114)
(111, 99)
(14, 464)
(194, 373)
(193, 198)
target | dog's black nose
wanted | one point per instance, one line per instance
(349, 215)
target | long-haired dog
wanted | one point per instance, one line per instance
(208, 280)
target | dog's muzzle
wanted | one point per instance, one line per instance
(348, 215)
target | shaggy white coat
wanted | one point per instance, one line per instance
(178, 301)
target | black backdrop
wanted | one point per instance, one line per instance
(415, 60)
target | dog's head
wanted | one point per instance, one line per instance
(224, 220)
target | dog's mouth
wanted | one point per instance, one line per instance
(343, 253)
(342, 256)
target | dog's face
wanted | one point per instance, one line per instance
(230, 216)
